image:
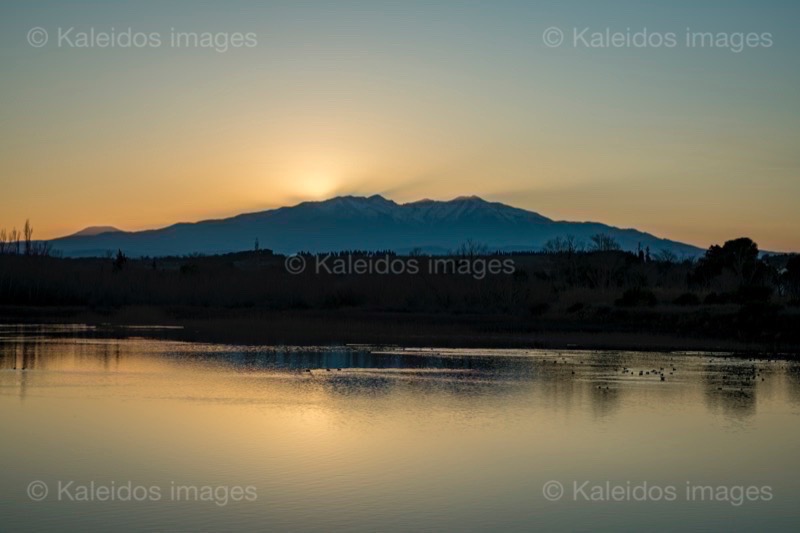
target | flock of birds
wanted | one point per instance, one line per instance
(754, 374)
(731, 380)
(661, 372)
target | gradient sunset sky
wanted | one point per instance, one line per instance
(409, 100)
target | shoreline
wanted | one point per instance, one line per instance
(407, 330)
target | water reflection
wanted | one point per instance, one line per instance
(377, 438)
(731, 388)
(608, 379)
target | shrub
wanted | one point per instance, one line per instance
(574, 308)
(717, 299)
(687, 298)
(636, 298)
(753, 294)
(538, 309)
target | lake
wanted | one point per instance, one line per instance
(133, 430)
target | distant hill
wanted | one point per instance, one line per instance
(95, 230)
(361, 223)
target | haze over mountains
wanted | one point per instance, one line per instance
(360, 223)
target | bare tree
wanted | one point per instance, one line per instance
(42, 249)
(604, 243)
(562, 245)
(666, 256)
(27, 232)
(471, 249)
(554, 246)
(3, 240)
(573, 244)
(13, 239)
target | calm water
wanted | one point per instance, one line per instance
(396, 440)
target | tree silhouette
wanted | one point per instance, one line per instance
(791, 276)
(119, 261)
(738, 258)
(28, 237)
(471, 249)
(604, 243)
(562, 245)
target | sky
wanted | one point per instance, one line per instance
(696, 142)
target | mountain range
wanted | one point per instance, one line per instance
(360, 223)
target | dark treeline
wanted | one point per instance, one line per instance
(730, 292)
